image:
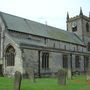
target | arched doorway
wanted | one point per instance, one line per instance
(10, 56)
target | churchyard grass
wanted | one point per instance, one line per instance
(77, 83)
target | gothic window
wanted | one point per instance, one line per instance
(71, 60)
(77, 61)
(65, 61)
(87, 27)
(77, 48)
(74, 48)
(86, 61)
(10, 56)
(45, 40)
(45, 60)
(0, 28)
(54, 45)
(65, 47)
(88, 46)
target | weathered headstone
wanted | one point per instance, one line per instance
(88, 75)
(88, 71)
(31, 75)
(61, 74)
(69, 71)
(17, 81)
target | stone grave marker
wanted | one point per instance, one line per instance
(31, 75)
(17, 81)
(61, 75)
(88, 71)
(88, 75)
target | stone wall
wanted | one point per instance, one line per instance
(30, 60)
(10, 70)
(55, 61)
(78, 21)
(56, 44)
(27, 58)
(2, 29)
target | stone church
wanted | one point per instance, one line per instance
(28, 44)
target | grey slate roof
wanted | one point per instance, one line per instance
(25, 42)
(27, 26)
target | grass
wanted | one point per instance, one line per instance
(77, 83)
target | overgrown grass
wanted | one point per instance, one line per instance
(77, 83)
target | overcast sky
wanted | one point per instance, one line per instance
(51, 11)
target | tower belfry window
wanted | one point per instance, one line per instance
(74, 26)
(87, 27)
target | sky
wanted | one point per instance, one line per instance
(50, 12)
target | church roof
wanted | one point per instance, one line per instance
(25, 42)
(19, 24)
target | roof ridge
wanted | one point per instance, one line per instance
(28, 20)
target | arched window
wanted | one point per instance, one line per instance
(10, 56)
(65, 61)
(86, 62)
(45, 60)
(87, 27)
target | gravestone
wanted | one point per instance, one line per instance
(88, 71)
(17, 81)
(31, 75)
(88, 75)
(61, 74)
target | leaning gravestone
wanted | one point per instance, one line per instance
(17, 81)
(30, 73)
(88, 71)
(61, 74)
(88, 75)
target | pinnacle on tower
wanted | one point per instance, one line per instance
(67, 15)
(81, 13)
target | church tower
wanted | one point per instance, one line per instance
(80, 25)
